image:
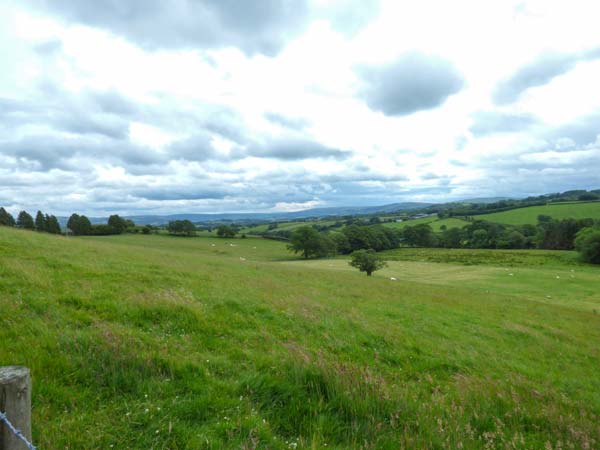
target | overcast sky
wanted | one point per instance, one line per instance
(170, 106)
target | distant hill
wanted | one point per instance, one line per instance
(522, 216)
(307, 213)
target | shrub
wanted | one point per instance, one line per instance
(367, 261)
(587, 244)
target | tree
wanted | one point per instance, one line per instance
(310, 243)
(24, 220)
(118, 223)
(40, 222)
(85, 226)
(181, 227)
(225, 231)
(587, 243)
(53, 225)
(73, 223)
(367, 261)
(6, 218)
(421, 235)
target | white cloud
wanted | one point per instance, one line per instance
(131, 120)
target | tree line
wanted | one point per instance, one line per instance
(78, 225)
(549, 234)
(43, 223)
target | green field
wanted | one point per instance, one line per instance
(158, 342)
(529, 215)
(435, 223)
(289, 226)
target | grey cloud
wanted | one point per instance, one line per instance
(490, 122)
(582, 131)
(178, 193)
(414, 82)
(295, 149)
(349, 16)
(48, 48)
(539, 72)
(294, 123)
(196, 148)
(253, 27)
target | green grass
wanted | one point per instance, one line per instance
(156, 342)
(435, 223)
(286, 226)
(522, 216)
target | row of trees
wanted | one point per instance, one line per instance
(547, 234)
(81, 226)
(43, 222)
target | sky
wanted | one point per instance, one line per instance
(192, 106)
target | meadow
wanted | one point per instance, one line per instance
(558, 211)
(160, 342)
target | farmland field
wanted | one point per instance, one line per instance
(157, 342)
(522, 216)
(435, 223)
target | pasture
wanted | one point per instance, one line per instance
(159, 342)
(529, 215)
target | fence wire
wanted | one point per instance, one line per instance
(15, 431)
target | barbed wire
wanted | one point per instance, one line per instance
(15, 431)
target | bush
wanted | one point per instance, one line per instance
(367, 261)
(587, 244)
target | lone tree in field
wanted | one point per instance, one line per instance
(25, 221)
(310, 243)
(587, 244)
(182, 228)
(225, 231)
(367, 261)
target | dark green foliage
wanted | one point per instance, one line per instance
(451, 238)
(104, 230)
(146, 230)
(73, 223)
(420, 235)
(560, 234)
(587, 244)
(118, 223)
(367, 261)
(79, 225)
(40, 222)
(310, 243)
(226, 231)
(375, 237)
(53, 225)
(181, 228)
(6, 218)
(25, 221)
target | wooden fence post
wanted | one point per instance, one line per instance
(15, 401)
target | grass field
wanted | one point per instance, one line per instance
(435, 223)
(527, 215)
(286, 226)
(156, 342)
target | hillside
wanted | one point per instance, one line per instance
(521, 216)
(159, 342)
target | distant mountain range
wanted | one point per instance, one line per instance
(272, 216)
(307, 213)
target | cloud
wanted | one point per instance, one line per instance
(581, 131)
(414, 82)
(539, 72)
(290, 149)
(167, 24)
(490, 122)
(294, 123)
